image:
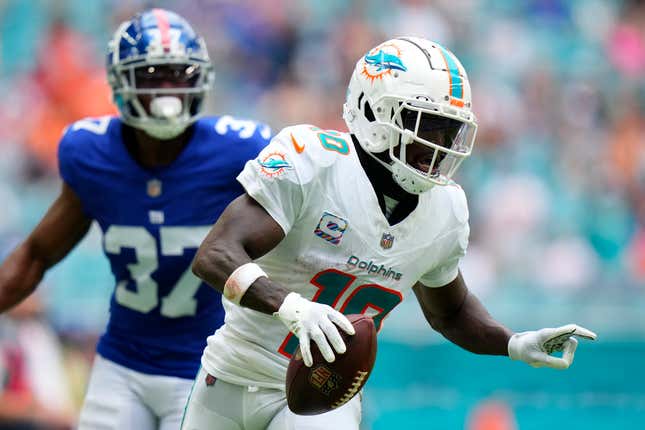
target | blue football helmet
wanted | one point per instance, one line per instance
(160, 72)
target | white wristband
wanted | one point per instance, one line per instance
(240, 281)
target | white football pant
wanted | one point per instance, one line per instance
(119, 398)
(215, 404)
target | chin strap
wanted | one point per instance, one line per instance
(406, 137)
(399, 173)
(165, 133)
(166, 120)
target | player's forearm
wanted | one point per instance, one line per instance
(216, 260)
(472, 328)
(264, 296)
(215, 263)
(20, 274)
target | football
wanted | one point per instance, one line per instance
(325, 386)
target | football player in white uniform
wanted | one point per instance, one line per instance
(335, 223)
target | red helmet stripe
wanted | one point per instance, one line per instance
(164, 28)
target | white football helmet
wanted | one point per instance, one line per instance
(409, 91)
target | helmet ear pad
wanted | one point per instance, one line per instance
(409, 183)
(368, 121)
(367, 109)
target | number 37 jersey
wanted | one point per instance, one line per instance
(153, 221)
(339, 248)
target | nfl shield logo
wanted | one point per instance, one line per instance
(210, 380)
(387, 240)
(154, 188)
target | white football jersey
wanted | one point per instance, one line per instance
(339, 248)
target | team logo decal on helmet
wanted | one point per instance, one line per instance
(381, 60)
(274, 164)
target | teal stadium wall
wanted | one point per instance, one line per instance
(441, 386)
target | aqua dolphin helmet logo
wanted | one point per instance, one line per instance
(381, 60)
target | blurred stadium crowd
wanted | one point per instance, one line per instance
(556, 181)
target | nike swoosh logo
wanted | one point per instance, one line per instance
(299, 148)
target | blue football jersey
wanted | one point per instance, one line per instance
(153, 221)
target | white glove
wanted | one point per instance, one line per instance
(535, 347)
(314, 321)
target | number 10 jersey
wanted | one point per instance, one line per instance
(339, 248)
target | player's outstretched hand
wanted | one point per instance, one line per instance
(535, 347)
(314, 321)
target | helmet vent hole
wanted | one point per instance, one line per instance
(369, 114)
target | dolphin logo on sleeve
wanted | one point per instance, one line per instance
(273, 164)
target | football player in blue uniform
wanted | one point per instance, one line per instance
(155, 179)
